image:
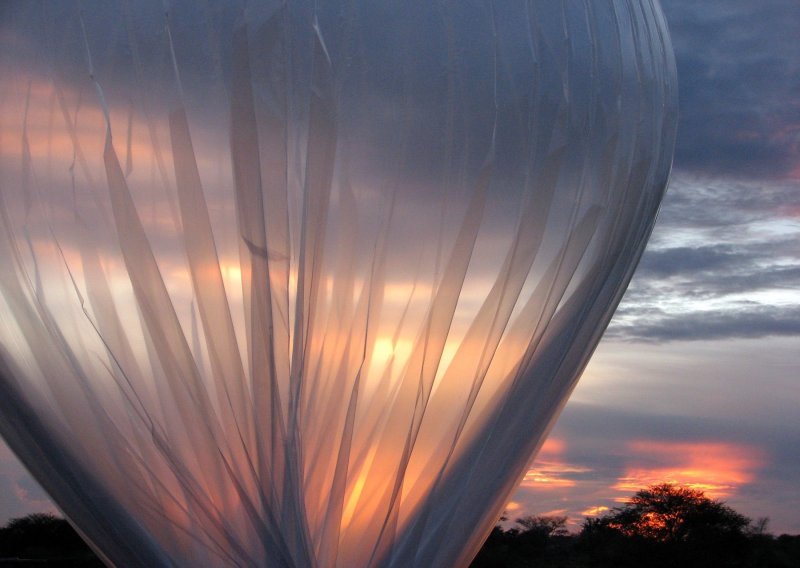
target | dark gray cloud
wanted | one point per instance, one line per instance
(724, 203)
(591, 428)
(710, 272)
(755, 321)
(739, 75)
(723, 263)
(668, 262)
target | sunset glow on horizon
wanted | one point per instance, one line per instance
(721, 470)
(718, 469)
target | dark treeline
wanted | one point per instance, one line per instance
(44, 540)
(663, 526)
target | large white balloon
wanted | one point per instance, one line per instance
(306, 284)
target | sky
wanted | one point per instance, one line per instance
(698, 377)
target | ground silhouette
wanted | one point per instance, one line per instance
(662, 526)
(43, 539)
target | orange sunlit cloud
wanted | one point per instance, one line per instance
(552, 447)
(550, 471)
(545, 478)
(717, 468)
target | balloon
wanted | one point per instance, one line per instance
(306, 284)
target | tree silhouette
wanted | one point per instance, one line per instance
(45, 537)
(669, 525)
(670, 513)
(547, 526)
(535, 541)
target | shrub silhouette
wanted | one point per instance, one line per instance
(45, 537)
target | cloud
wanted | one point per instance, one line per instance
(669, 262)
(739, 80)
(716, 468)
(20, 495)
(624, 450)
(550, 470)
(30, 494)
(758, 321)
(595, 511)
(723, 263)
(590, 487)
(721, 207)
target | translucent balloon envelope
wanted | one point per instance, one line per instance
(306, 284)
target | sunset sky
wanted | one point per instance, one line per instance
(697, 380)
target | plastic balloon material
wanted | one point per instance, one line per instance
(306, 284)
